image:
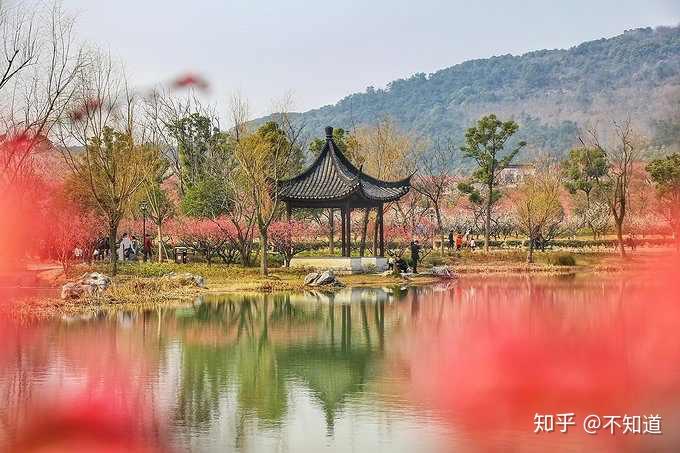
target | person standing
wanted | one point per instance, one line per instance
(125, 248)
(451, 240)
(107, 247)
(459, 241)
(103, 247)
(147, 247)
(415, 255)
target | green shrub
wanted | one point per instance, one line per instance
(562, 259)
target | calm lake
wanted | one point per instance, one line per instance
(461, 366)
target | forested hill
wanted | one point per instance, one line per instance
(549, 92)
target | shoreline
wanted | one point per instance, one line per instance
(137, 286)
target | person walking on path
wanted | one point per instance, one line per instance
(147, 247)
(135, 248)
(459, 241)
(415, 255)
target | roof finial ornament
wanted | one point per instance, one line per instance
(329, 132)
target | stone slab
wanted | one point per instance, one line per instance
(353, 265)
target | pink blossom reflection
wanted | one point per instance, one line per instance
(506, 349)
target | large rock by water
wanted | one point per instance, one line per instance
(442, 271)
(88, 284)
(187, 279)
(311, 278)
(325, 278)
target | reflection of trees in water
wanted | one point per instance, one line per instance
(78, 362)
(272, 342)
(205, 376)
(262, 389)
(331, 375)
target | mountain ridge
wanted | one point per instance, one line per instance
(551, 93)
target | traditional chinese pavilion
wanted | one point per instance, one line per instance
(333, 182)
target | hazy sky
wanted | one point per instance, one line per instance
(321, 51)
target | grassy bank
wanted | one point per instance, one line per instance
(144, 278)
(142, 285)
(231, 278)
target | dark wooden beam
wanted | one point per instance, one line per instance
(348, 234)
(343, 240)
(331, 234)
(381, 231)
(335, 204)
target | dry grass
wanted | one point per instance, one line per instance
(140, 285)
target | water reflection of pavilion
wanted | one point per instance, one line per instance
(263, 344)
(349, 296)
(243, 372)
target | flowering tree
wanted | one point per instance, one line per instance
(290, 238)
(433, 180)
(239, 239)
(21, 221)
(409, 210)
(538, 208)
(72, 228)
(665, 174)
(241, 220)
(203, 235)
(398, 238)
(426, 232)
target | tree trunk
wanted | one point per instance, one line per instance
(619, 235)
(440, 226)
(487, 219)
(160, 243)
(113, 233)
(264, 256)
(244, 253)
(593, 230)
(530, 253)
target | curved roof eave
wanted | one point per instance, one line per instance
(402, 191)
(313, 182)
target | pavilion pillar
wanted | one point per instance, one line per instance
(381, 231)
(343, 240)
(288, 212)
(348, 232)
(331, 234)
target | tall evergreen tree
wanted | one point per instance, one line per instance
(485, 143)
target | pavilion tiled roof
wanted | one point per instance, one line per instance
(333, 177)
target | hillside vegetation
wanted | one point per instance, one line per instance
(551, 93)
